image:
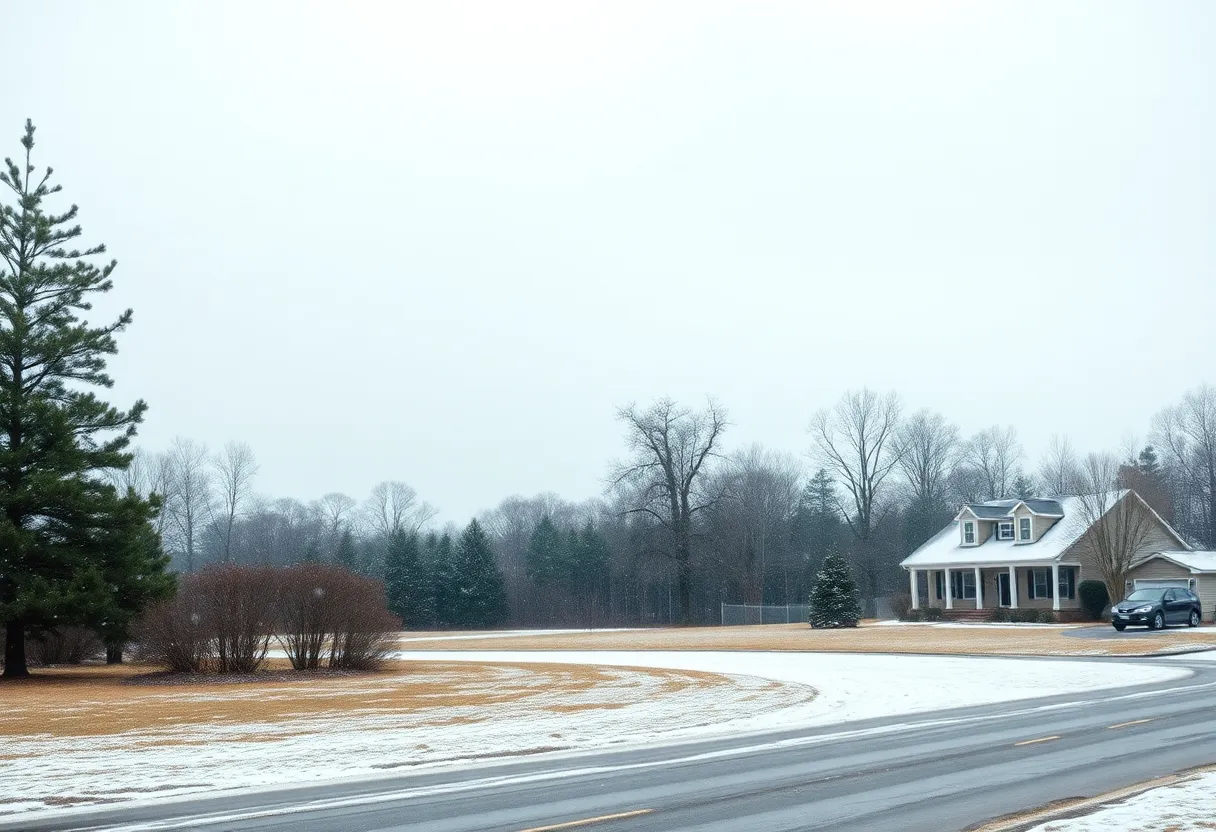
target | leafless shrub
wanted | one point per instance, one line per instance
(366, 631)
(239, 610)
(64, 645)
(174, 634)
(309, 612)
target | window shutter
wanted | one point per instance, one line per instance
(1030, 584)
(1072, 583)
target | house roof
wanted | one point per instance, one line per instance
(1003, 509)
(945, 548)
(1193, 560)
(1043, 506)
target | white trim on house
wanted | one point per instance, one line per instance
(1029, 538)
(1022, 504)
(1000, 530)
(973, 527)
(1193, 561)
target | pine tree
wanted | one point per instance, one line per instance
(72, 548)
(407, 581)
(834, 600)
(347, 554)
(1023, 487)
(437, 553)
(479, 597)
(548, 557)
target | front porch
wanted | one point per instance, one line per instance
(1047, 586)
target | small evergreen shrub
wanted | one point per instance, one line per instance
(1047, 617)
(912, 615)
(1000, 615)
(1024, 615)
(834, 600)
(1094, 598)
(933, 613)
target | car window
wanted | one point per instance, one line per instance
(1145, 595)
(1170, 596)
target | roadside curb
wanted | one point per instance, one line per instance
(1081, 806)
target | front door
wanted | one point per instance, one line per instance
(1002, 583)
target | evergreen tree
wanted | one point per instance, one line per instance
(478, 594)
(549, 554)
(834, 600)
(72, 548)
(1148, 461)
(589, 574)
(1023, 487)
(347, 554)
(817, 524)
(407, 581)
(437, 552)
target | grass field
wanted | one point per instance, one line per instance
(959, 639)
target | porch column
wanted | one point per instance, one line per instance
(915, 595)
(979, 590)
(949, 590)
(1013, 588)
(1055, 586)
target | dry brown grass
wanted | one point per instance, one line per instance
(915, 639)
(96, 701)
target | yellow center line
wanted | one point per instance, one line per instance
(1040, 739)
(1126, 724)
(588, 821)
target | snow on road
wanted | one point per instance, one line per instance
(853, 686)
(1185, 806)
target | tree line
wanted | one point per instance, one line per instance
(685, 523)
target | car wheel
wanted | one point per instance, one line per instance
(1194, 622)
(1159, 621)
(1120, 627)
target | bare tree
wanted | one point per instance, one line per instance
(1059, 470)
(926, 447)
(997, 455)
(1120, 522)
(1186, 433)
(856, 442)
(671, 447)
(192, 485)
(751, 525)
(235, 468)
(394, 507)
(149, 474)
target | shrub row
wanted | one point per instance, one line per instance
(223, 619)
(1024, 615)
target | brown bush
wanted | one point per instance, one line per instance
(175, 633)
(309, 611)
(239, 610)
(64, 645)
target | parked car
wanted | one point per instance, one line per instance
(1157, 608)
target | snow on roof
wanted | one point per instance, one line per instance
(1195, 561)
(945, 548)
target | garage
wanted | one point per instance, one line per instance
(1162, 583)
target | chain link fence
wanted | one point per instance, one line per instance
(735, 614)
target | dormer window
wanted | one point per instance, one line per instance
(1024, 531)
(1004, 531)
(968, 533)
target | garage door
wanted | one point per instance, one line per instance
(1163, 583)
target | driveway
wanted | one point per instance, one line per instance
(1105, 631)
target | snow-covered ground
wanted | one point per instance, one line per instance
(1186, 806)
(853, 686)
(764, 691)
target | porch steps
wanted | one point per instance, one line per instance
(969, 616)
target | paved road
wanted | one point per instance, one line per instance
(941, 771)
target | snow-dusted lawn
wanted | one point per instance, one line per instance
(314, 731)
(1186, 806)
(858, 686)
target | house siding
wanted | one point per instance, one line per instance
(1038, 524)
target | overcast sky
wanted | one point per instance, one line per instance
(443, 242)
